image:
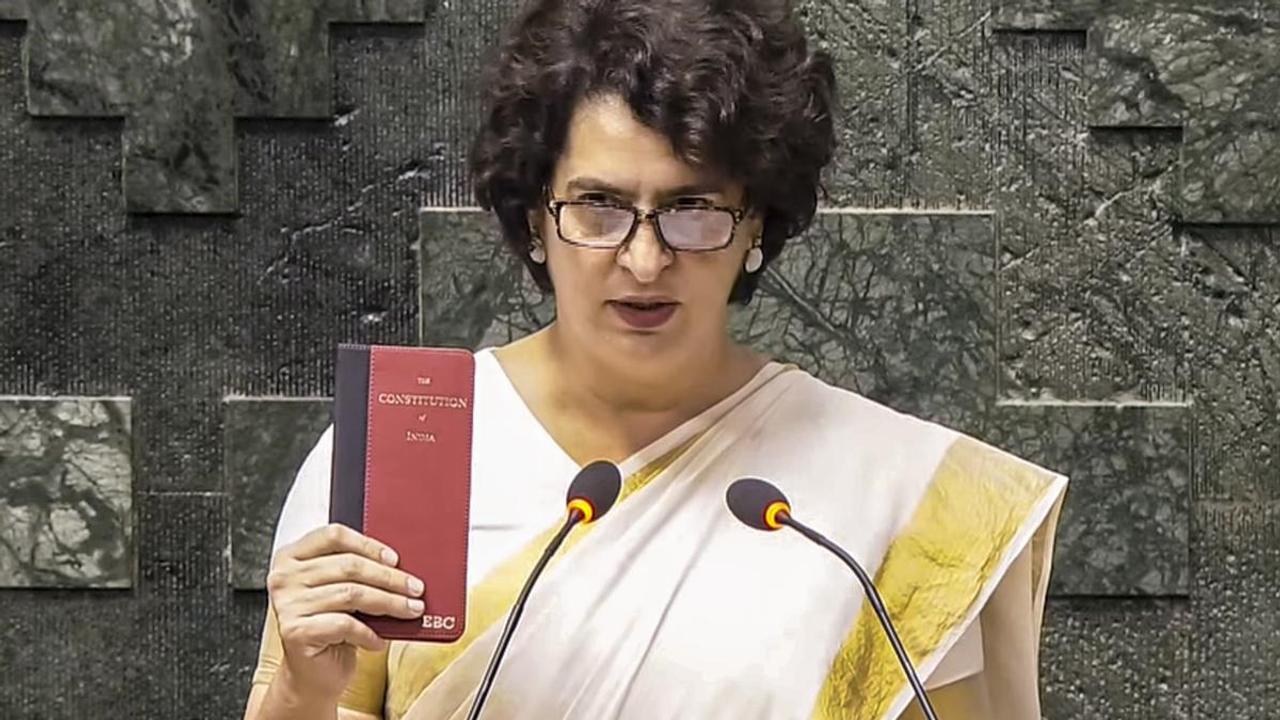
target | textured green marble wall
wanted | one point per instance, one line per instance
(1052, 224)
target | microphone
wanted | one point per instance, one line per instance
(591, 495)
(762, 505)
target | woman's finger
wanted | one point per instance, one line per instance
(350, 567)
(321, 631)
(354, 597)
(334, 539)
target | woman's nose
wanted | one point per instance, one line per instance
(645, 256)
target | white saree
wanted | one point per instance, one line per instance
(668, 607)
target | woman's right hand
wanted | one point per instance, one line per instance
(315, 584)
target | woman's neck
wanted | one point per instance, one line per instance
(609, 383)
(595, 406)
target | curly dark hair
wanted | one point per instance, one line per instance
(731, 83)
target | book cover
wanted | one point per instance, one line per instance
(402, 470)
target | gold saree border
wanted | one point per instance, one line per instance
(414, 666)
(976, 506)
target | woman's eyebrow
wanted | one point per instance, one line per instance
(700, 188)
(590, 184)
(587, 183)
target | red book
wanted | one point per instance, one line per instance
(402, 471)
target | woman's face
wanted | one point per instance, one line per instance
(641, 301)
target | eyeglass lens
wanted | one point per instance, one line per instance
(682, 228)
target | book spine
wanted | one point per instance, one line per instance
(351, 424)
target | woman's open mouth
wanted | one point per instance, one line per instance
(643, 314)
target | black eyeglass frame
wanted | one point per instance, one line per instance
(637, 216)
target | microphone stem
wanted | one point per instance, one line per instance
(876, 604)
(517, 610)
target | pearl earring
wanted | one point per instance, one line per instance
(755, 259)
(539, 252)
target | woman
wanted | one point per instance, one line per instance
(647, 160)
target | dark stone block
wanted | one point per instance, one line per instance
(280, 52)
(183, 454)
(1044, 15)
(1089, 277)
(379, 11)
(47, 241)
(1125, 525)
(872, 68)
(1213, 70)
(181, 629)
(66, 493)
(13, 10)
(1102, 300)
(179, 312)
(264, 443)
(474, 292)
(248, 614)
(182, 541)
(183, 647)
(931, 102)
(952, 102)
(99, 637)
(159, 651)
(1236, 646)
(172, 85)
(923, 98)
(1119, 660)
(197, 67)
(150, 659)
(460, 43)
(1229, 295)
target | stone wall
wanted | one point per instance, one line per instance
(1052, 224)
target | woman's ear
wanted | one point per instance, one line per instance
(535, 224)
(538, 248)
(753, 225)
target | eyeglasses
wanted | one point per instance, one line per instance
(607, 225)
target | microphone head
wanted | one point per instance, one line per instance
(757, 503)
(594, 490)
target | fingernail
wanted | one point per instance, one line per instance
(389, 557)
(415, 586)
(416, 606)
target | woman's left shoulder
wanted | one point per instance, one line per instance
(841, 409)
(851, 423)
